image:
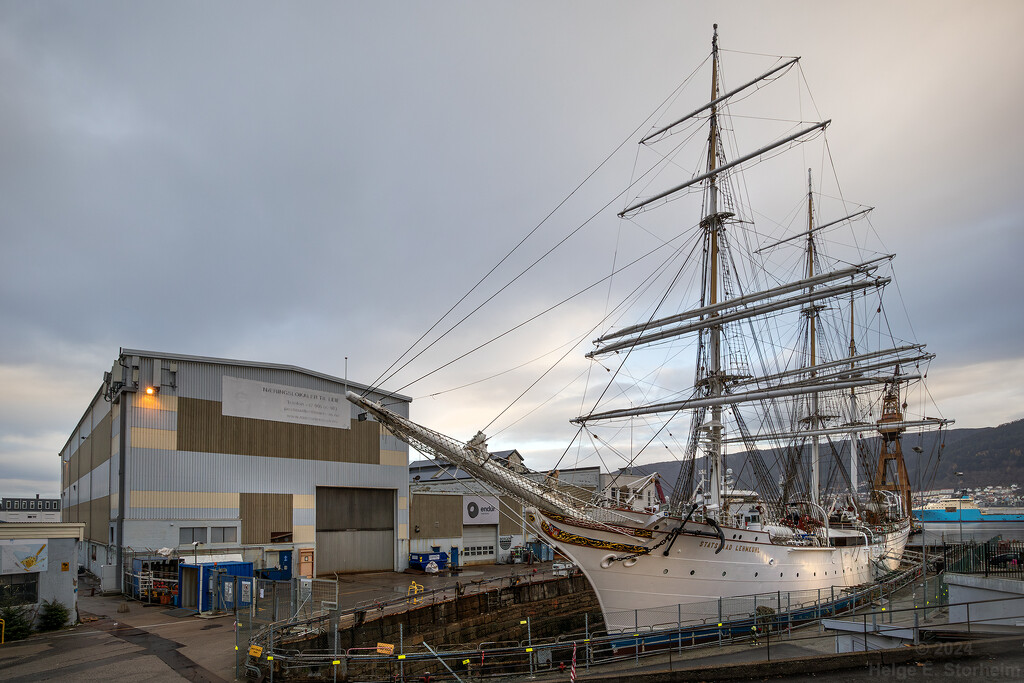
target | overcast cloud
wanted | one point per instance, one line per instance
(303, 182)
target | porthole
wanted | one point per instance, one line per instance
(691, 572)
(723, 573)
(815, 573)
(798, 575)
(664, 571)
(780, 575)
(755, 575)
(741, 537)
(734, 537)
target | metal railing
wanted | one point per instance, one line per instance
(720, 621)
(1004, 559)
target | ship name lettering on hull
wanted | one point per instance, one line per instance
(731, 546)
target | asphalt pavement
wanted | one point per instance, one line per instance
(150, 643)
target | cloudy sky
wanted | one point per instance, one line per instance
(303, 182)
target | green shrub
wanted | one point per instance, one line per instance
(53, 615)
(17, 622)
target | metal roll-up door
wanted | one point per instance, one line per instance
(479, 544)
(355, 529)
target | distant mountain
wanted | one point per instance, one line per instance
(987, 457)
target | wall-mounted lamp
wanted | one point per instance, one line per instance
(416, 528)
(361, 417)
(152, 390)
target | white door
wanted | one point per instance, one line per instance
(479, 544)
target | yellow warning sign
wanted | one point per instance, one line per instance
(385, 649)
(255, 650)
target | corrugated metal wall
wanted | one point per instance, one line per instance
(265, 516)
(435, 515)
(510, 516)
(202, 427)
(85, 479)
(343, 509)
(354, 551)
(354, 529)
(96, 515)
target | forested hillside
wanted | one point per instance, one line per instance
(989, 456)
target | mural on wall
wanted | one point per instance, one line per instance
(23, 555)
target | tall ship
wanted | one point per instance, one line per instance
(789, 431)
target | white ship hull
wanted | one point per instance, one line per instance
(643, 591)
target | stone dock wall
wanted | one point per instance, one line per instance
(554, 606)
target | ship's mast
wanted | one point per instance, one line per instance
(712, 223)
(853, 408)
(812, 313)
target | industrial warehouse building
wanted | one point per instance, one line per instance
(250, 460)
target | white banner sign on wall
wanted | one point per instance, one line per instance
(479, 510)
(23, 556)
(281, 403)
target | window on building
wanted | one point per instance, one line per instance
(19, 589)
(190, 534)
(46, 505)
(478, 550)
(8, 505)
(17, 505)
(223, 534)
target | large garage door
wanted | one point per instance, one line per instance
(479, 543)
(355, 529)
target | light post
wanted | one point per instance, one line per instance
(960, 504)
(924, 532)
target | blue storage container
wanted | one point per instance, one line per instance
(195, 582)
(542, 552)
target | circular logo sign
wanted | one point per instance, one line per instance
(473, 509)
